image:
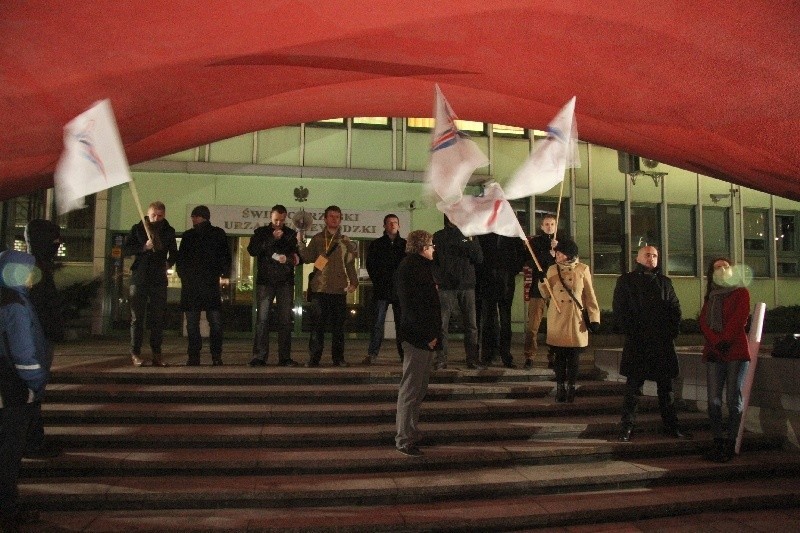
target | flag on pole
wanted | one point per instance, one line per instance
(93, 159)
(454, 157)
(545, 167)
(488, 213)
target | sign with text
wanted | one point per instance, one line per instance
(358, 224)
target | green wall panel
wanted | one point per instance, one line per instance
(279, 146)
(326, 147)
(371, 149)
(607, 182)
(234, 150)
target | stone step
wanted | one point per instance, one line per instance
(336, 413)
(307, 394)
(286, 436)
(771, 468)
(82, 462)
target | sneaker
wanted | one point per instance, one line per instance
(476, 366)
(411, 451)
(289, 362)
(136, 360)
(255, 361)
(440, 366)
(341, 363)
(528, 364)
(367, 360)
(625, 433)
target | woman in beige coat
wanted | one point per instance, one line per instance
(567, 332)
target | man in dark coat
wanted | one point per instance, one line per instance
(155, 254)
(275, 248)
(203, 262)
(544, 246)
(43, 238)
(383, 257)
(420, 332)
(647, 311)
(503, 258)
(454, 258)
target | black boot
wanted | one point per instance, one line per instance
(561, 393)
(716, 452)
(570, 393)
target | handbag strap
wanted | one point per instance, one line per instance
(566, 288)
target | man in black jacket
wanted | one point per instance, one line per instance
(544, 246)
(503, 258)
(420, 332)
(275, 248)
(647, 311)
(454, 260)
(155, 254)
(203, 263)
(383, 258)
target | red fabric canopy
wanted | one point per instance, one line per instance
(705, 85)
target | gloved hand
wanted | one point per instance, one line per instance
(723, 347)
(594, 327)
(539, 275)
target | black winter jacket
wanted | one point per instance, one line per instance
(421, 320)
(647, 311)
(150, 266)
(455, 259)
(383, 258)
(263, 245)
(202, 259)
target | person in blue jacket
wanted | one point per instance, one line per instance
(24, 370)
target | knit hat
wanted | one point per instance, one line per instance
(568, 248)
(201, 211)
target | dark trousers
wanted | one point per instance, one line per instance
(214, 317)
(153, 300)
(283, 294)
(565, 364)
(376, 338)
(327, 309)
(495, 325)
(666, 401)
(462, 301)
(13, 428)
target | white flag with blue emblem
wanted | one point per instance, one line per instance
(93, 159)
(545, 167)
(454, 156)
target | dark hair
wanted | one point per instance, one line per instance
(387, 217)
(278, 208)
(334, 208)
(710, 274)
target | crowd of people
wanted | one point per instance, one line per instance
(425, 278)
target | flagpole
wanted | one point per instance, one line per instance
(560, 196)
(139, 207)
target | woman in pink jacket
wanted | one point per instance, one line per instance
(723, 320)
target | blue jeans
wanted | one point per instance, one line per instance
(728, 375)
(375, 340)
(214, 317)
(153, 299)
(283, 294)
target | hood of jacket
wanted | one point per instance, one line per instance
(17, 271)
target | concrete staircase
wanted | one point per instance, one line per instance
(234, 448)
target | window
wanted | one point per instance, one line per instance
(756, 233)
(682, 260)
(609, 238)
(379, 123)
(786, 241)
(77, 233)
(328, 123)
(645, 227)
(501, 130)
(467, 126)
(716, 233)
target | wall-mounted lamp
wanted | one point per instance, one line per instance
(716, 198)
(656, 176)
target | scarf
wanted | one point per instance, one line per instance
(716, 300)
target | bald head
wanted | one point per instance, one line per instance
(648, 257)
